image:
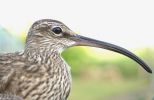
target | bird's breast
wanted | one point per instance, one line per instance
(49, 83)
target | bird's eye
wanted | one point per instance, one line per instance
(57, 30)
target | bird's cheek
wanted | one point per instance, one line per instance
(69, 43)
(72, 43)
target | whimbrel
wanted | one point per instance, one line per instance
(40, 73)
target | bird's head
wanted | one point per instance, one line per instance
(51, 35)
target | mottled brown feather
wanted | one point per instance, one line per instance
(39, 72)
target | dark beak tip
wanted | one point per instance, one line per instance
(150, 71)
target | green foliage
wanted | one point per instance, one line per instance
(101, 90)
(76, 57)
(127, 67)
(79, 60)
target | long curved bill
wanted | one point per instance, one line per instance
(84, 41)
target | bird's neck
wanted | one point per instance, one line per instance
(51, 59)
(41, 55)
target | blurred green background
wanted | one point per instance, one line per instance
(98, 74)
